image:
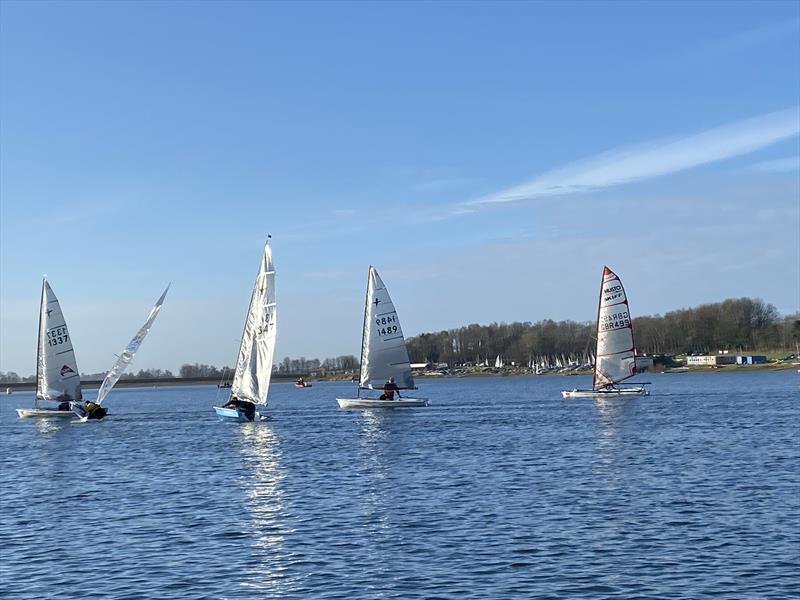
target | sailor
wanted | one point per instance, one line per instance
(93, 410)
(389, 388)
(248, 408)
(300, 382)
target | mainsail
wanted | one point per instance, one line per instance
(127, 355)
(383, 347)
(57, 375)
(254, 365)
(615, 359)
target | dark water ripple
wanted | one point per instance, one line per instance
(500, 489)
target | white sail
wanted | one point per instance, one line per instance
(254, 364)
(615, 360)
(128, 353)
(498, 362)
(383, 347)
(57, 375)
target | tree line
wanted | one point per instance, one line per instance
(743, 324)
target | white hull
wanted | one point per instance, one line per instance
(231, 414)
(376, 403)
(615, 393)
(45, 413)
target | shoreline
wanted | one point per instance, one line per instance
(190, 381)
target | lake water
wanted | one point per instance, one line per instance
(499, 489)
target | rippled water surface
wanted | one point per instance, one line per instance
(499, 489)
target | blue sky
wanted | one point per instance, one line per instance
(488, 158)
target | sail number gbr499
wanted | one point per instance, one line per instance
(617, 320)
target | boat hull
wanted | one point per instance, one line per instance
(45, 413)
(297, 385)
(231, 414)
(376, 403)
(617, 393)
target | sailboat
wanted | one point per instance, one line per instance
(250, 384)
(92, 409)
(383, 351)
(498, 362)
(615, 355)
(58, 380)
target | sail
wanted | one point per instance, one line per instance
(615, 360)
(254, 364)
(57, 375)
(383, 348)
(128, 353)
(498, 362)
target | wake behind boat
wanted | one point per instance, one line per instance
(58, 380)
(384, 358)
(250, 384)
(615, 355)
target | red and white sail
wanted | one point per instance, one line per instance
(615, 356)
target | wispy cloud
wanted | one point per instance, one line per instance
(779, 165)
(653, 159)
(744, 40)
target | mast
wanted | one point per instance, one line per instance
(39, 348)
(597, 327)
(364, 330)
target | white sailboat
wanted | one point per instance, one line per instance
(250, 384)
(615, 355)
(383, 351)
(58, 380)
(93, 409)
(498, 362)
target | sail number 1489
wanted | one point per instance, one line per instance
(386, 324)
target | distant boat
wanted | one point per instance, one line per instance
(92, 409)
(58, 380)
(498, 362)
(223, 380)
(302, 384)
(383, 351)
(615, 355)
(253, 372)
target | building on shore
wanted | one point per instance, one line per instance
(710, 360)
(751, 360)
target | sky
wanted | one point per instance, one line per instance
(488, 158)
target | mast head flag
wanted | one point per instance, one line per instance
(615, 360)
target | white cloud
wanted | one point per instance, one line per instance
(653, 159)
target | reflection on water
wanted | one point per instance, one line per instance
(613, 414)
(261, 453)
(52, 426)
(376, 430)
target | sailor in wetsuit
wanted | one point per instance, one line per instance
(389, 388)
(89, 410)
(246, 407)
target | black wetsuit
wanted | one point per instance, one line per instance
(388, 391)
